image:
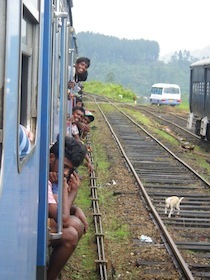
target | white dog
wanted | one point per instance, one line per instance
(172, 202)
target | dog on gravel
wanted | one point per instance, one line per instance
(172, 203)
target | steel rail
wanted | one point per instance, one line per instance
(170, 122)
(169, 151)
(184, 267)
(101, 262)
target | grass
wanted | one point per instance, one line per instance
(117, 231)
(114, 91)
(81, 265)
(184, 106)
(142, 119)
(139, 117)
(83, 259)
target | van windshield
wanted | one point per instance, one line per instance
(171, 90)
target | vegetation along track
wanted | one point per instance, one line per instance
(176, 125)
(161, 174)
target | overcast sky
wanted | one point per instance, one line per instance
(174, 24)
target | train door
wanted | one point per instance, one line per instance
(19, 187)
(53, 120)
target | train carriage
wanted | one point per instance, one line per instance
(199, 97)
(37, 43)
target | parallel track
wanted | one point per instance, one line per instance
(160, 174)
(177, 124)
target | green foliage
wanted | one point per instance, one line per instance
(140, 117)
(117, 230)
(133, 64)
(113, 91)
(184, 106)
(113, 49)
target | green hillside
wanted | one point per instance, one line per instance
(133, 63)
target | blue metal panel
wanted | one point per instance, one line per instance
(19, 191)
(45, 140)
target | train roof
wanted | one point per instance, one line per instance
(202, 62)
(165, 85)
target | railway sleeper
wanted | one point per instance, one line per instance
(185, 224)
(203, 255)
(194, 208)
(180, 187)
(194, 248)
(190, 196)
(179, 219)
(206, 244)
(148, 263)
(166, 180)
(184, 214)
(202, 275)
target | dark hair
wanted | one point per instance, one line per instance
(75, 151)
(91, 118)
(83, 59)
(78, 99)
(78, 108)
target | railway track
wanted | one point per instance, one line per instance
(176, 123)
(160, 173)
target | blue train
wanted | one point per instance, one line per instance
(37, 45)
(199, 100)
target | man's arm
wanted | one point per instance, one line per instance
(53, 206)
(73, 183)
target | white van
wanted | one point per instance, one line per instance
(165, 94)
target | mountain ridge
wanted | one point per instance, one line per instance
(198, 53)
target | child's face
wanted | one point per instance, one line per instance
(79, 103)
(87, 120)
(78, 115)
(81, 67)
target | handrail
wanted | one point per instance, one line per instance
(62, 123)
(69, 102)
(70, 77)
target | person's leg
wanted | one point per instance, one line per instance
(63, 249)
(76, 223)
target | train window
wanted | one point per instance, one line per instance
(202, 88)
(208, 75)
(28, 74)
(208, 82)
(195, 88)
(208, 88)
